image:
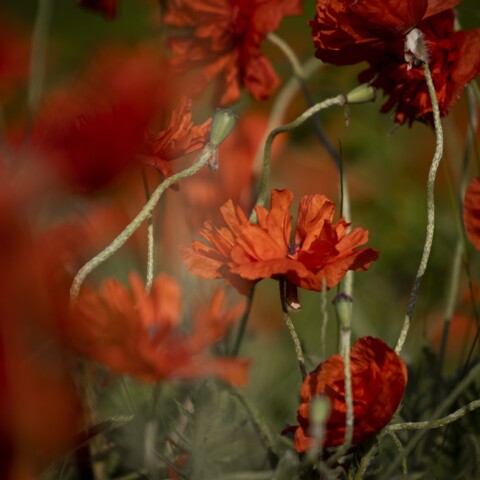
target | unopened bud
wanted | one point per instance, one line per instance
(343, 308)
(361, 94)
(223, 123)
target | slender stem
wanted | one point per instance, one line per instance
(430, 209)
(345, 333)
(280, 106)
(137, 221)
(441, 422)
(400, 449)
(38, 55)
(367, 457)
(150, 238)
(323, 333)
(338, 100)
(243, 324)
(459, 389)
(301, 76)
(291, 329)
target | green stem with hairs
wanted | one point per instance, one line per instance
(143, 215)
(291, 329)
(339, 100)
(458, 390)
(430, 209)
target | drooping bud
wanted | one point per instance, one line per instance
(223, 123)
(361, 94)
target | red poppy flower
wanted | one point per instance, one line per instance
(224, 41)
(471, 212)
(132, 332)
(350, 31)
(178, 139)
(106, 7)
(244, 252)
(453, 58)
(379, 377)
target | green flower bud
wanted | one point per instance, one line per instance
(223, 123)
(361, 94)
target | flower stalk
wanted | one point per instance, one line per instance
(430, 209)
(143, 215)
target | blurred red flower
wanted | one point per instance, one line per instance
(41, 412)
(471, 212)
(453, 58)
(244, 252)
(379, 377)
(91, 133)
(133, 332)
(178, 139)
(106, 7)
(224, 42)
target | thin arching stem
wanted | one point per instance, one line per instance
(339, 100)
(150, 239)
(144, 213)
(458, 390)
(291, 329)
(430, 209)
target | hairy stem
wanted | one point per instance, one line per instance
(291, 329)
(137, 221)
(430, 210)
(262, 195)
(458, 390)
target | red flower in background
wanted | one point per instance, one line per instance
(379, 377)
(347, 32)
(244, 252)
(178, 139)
(41, 413)
(106, 7)
(91, 133)
(471, 212)
(132, 332)
(454, 61)
(224, 39)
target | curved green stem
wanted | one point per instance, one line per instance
(459, 389)
(430, 210)
(291, 329)
(144, 213)
(262, 196)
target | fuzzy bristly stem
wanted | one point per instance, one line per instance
(430, 209)
(291, 328)
(243, 324)
(343, 309)
(150, 238)
(301, 76)
(457, 391)
(339, 100)
(146, 211)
